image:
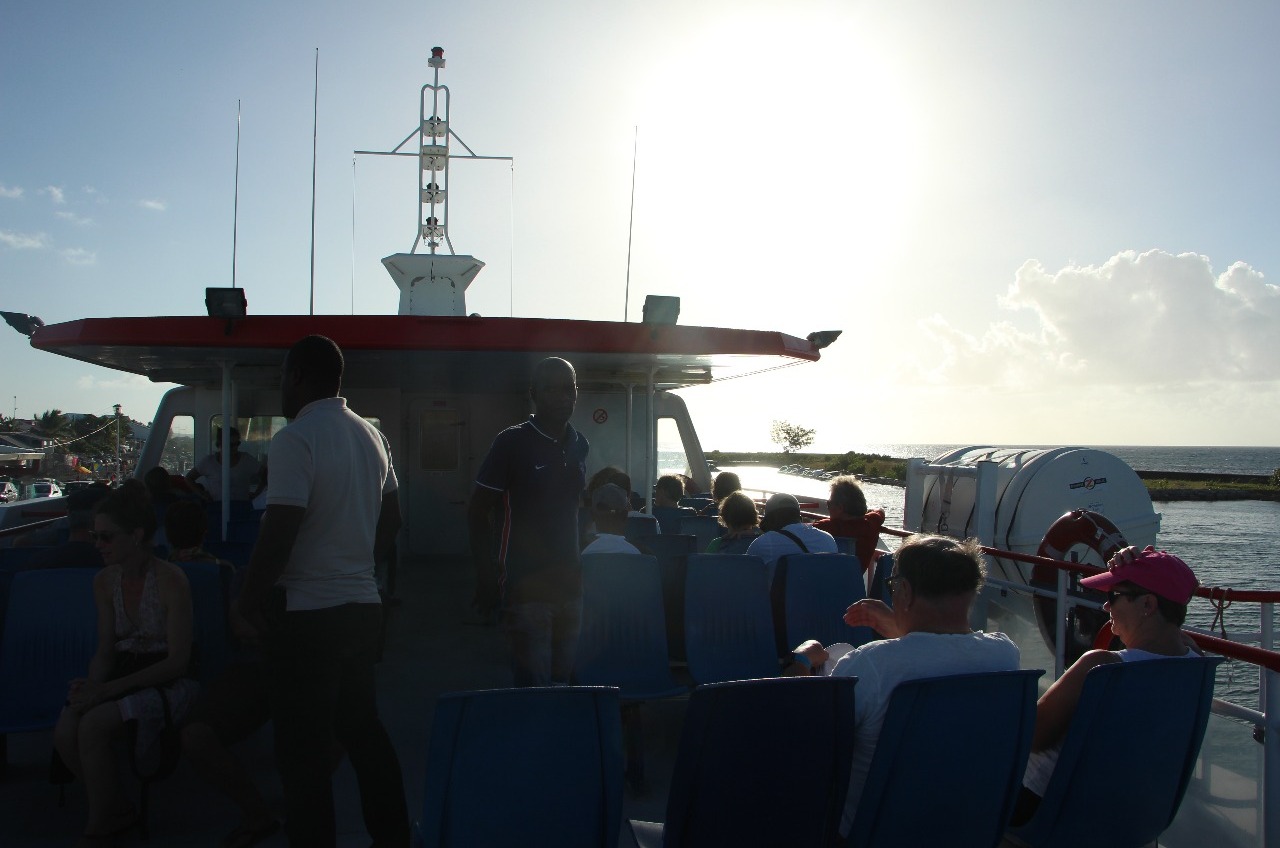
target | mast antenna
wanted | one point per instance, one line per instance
(235, 206)
(635, 146)
(315, 124)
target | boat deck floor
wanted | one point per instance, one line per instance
(434, 645)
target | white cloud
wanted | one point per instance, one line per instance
(24, 241)
(154, 205)
(10, 191)
(73, 217)
(1152, 319)
(56, 194)
(80, 256)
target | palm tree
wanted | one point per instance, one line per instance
(53, 424)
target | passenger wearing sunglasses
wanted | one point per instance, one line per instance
(138, 672)
(1147, 596)
(927, 634)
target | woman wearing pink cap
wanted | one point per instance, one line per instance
(1147, 596)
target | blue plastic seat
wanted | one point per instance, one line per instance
(811, 593)
(879, 587)
(949, 761)
(236, 553)
(1152, 713)
(623, 641)
(672, 552)
(695, 503)
(50, 634)
(210, 589)
(728, 623)
(669, 517)
(846, 545)
(707, 528)
(640, 526)
(760, 763)
(524, 767)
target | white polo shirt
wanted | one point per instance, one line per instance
(337, 466)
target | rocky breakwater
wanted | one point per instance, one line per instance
(1192, 486)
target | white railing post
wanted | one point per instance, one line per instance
(984, 503)
(1270, 761)
(1267, 694)
(913, 503)
(1060, 625)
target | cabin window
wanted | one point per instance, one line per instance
(440, 440)
(179, 454)
(671, 456)
(255, 434)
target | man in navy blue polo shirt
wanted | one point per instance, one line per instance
(527, 560)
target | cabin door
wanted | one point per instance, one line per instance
(437, 481)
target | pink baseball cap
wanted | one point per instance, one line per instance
(1159, 571)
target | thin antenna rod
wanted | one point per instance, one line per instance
(235, 206)
(315, 125)
(353, 235)
(635, 145)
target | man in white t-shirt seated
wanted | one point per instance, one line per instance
(246, 471)
(934, 582)
(785, 533)
(609, 508)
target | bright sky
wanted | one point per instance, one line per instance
(1036, 223)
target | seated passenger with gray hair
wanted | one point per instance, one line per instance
(934, 583)
(849, 518)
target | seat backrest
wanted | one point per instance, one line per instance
(669, 517)
(236, 553)
(705, 527)
(752, 771)
(672, 551)
(879, 587)
(948, 762)
(535, 766)
(50, 634)
(210, 588)
(1156, 711)
(640, 526)
(728, 624)
(813, 591)
(623, 640)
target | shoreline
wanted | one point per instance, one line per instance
(1162, 486)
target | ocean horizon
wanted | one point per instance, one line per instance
(1201, 460)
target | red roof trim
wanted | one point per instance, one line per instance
(412, 332)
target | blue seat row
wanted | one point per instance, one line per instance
(766, 763)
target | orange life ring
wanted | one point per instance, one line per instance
(1077, 529)
(1102, 642)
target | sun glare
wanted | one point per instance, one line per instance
(799, 126)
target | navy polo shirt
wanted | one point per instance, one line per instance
(541, 480)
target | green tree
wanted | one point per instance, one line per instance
(53, 424)
(791, 437)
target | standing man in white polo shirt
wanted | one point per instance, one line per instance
(331, 511)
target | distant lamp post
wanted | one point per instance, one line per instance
(117, 409)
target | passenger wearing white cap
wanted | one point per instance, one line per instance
(1147, 596)
(785, 533)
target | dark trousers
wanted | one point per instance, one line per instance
(322, 688)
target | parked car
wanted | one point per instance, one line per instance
(45, 489)
(8, 492)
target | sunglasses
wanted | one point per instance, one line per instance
(1113, 594)
(102, 535)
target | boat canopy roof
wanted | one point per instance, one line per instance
(458, 354)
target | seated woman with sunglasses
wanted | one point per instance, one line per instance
(138, 672)
(1147, 596)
